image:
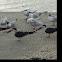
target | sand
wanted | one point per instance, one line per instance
(34, 45)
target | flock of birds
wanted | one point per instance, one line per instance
(32, 18)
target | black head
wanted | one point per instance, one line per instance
(30, 12)
(14, 29)
(49, 14)
(25, 10)
(40, 13)
(44, 25)
(7, 22)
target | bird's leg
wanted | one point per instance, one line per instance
(19, 39)
(53, 23)
(34, 28)
(48, 36)
(26, 18)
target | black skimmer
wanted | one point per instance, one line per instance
(48, 30)
(52, 19)
(20, 34)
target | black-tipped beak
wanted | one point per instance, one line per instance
(39, 28)
(9, 31)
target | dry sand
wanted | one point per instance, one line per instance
(34, 45)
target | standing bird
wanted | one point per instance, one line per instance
(11, 24)
(35, 22)
(20, 34)
(3, 21)
(27, 12)
(48, 30)
(34, 15)
(52, 19)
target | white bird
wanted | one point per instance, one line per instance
(35, 22)
(34, 15)
(3, 21)
(11, 24)
(52, 19)
(26, 12)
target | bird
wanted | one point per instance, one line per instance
(35, 22)
(19, 34)
(34, 15)
(48, 30)
(3, 21)
(52, 19)
(11, 24)
(27, 12)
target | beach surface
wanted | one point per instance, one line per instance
(34, 45)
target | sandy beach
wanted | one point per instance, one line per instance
(34, 45)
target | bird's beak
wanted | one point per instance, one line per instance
(40, 28)
(9, 31)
